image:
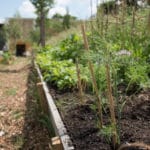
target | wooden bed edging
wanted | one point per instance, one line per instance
(57, 122)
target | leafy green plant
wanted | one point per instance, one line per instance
(94, 106)
(59, 73)
(107, 132)
(62, 74)
(137, 75)
(45, 120)
(7, 57)
(100, 77)
(70, 48)
(58, 63)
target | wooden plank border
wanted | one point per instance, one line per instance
(57, 122)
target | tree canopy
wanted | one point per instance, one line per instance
(42, 6)
(42, 9)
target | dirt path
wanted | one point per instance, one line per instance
(19, 112)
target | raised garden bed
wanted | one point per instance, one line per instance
(59, 130)
(81, 121)
(100, 84)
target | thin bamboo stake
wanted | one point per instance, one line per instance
(117, 24)
(118, 125)
(91, 5)
(123, 23)
(93, 77)
(97, 16)
(111, 106)
(102, 18)
(133, 22)
(148, 25)
(107, 18)
(123, 12)
(79, 82)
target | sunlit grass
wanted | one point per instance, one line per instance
(56, 39)
(10, 92)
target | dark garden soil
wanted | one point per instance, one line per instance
(81, 123)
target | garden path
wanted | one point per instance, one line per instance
(20, 127)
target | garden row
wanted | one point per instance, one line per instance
(98, 81)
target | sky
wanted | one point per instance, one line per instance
(79, 8)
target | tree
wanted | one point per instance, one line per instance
(42, 9)
(66, 20)
(108, 7)
(14, 29)
(34, 35)
(57, 16)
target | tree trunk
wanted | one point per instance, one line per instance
(42, 29)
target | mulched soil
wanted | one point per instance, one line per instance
(81, 121)
(19, 111)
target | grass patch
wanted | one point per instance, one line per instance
(54, 40)
(2, 108)
(18, 141)
(17, 114)
(11, 92)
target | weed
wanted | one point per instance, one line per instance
(11, 92)
(137, 75)
(45, 120)
(17, 141)
(107, 132)
(7, 57)
(17, 114)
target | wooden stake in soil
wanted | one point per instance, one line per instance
(79, 82)
(97, 16)
(101, 16)
(123, 23)
(56, 143)
(91, 5)
(111, 106)
(43, 102)
(133, 22)
(148, 24)
(93, 76)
